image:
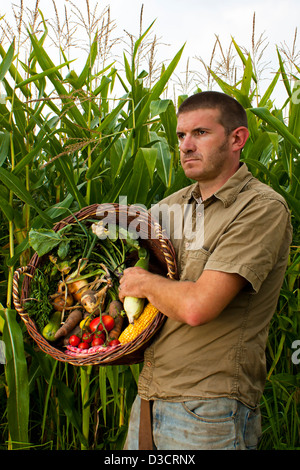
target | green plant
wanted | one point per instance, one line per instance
(67, 141)
(65, 144)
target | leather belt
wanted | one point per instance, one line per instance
(145, 427)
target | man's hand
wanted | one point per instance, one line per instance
(194, 303)
(132, 282)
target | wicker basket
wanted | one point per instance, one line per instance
(162, 261)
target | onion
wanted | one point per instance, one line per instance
(77, 288)
(62, 301)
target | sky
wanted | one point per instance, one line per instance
(196, 23)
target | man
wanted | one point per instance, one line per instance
(205, 370)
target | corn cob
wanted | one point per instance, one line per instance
(134, 306)
(139, 325)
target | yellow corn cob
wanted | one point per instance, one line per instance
(139, 325)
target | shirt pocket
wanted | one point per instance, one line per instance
(193, 263)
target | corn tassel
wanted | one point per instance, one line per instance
(139, 325)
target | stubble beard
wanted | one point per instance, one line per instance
(213, 166)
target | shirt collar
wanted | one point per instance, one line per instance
(228, 192)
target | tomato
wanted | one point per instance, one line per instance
(87, 337)
(97, 341)
(100, 334)
(83, 345)
(74, 340)
(114, 342)
(97, 323)
(108, 322)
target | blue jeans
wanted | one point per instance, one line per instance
(206, 424)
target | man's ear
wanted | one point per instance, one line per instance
(239, 138)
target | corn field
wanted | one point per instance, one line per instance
(72, 136)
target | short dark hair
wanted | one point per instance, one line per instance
(232, 113)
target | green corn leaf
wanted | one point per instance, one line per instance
(17, 381)
(66, 399)
(2, 346)
(158, 88)
(14, 184)
(294, 114)
(103, 391)
(169, 122)
(37, 76)
(4, 147)
(30, 156)
(164, 159)
(135, 51)
(246, 81)
(243, 58)
(56, 79)
(269, 91)
(265, 115)
(142, 175)
(284, 75)
(292, 201)
(127, 70)
(149, 155)
(6, 209)
(14, 73)
(89, 62)
(232, 91)
(67, 171)
(7, 61)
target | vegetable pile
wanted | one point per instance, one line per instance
(73, 296)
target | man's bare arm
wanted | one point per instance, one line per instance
(194, 303)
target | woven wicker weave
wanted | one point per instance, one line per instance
(162, 261)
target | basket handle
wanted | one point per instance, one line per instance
(169, 259)
(15, 290)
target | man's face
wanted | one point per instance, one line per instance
(204, 145)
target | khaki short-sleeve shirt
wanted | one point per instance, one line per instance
(244, 228)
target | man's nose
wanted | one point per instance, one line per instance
(188, 144)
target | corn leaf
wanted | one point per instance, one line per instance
(17, 381)
(103, 391)
(7, 61)
(14, 184)
(5, 141)
(89, 62)
(37, 76)
(16, 76)
(158, 88)
(6, 209)
(243, 58)
(284, 75)
(47, 64)
(265, 115)
(268, 93)
(164, 159)
(246, 81)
